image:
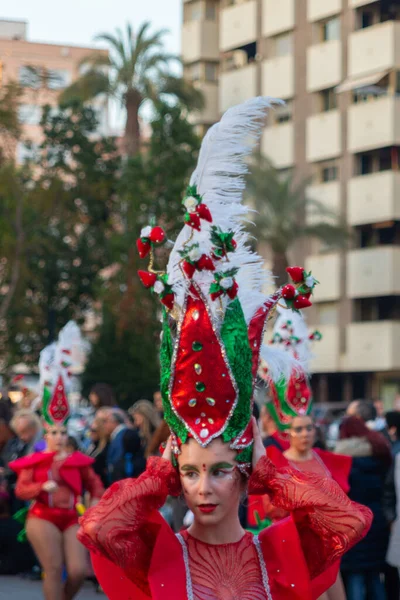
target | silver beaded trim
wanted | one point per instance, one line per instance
(223, 352)
(264, 573)
(189, 586)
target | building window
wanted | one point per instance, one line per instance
(329, 174)
(330, 30)
(365, 162)
(30, 77)
(211, 11)
(328, 100)
(29, 114)
(57, 79)
(211, 72)
(283, 44)
(366, 19)
(195, 72)
(283, 113)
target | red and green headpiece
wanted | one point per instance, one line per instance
(215, 309)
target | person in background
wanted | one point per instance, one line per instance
(125, 456)
(157, 399)
(362, 565)
(271, 436)
(72, 445)
(102, 395)
(15, 557)
(391, 507)
(99, 445)
(6, 432)
(146, 418)
(303, 456)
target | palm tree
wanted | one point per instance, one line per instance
(135, 71)
(281, 205)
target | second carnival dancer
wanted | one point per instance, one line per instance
(54, 482)
(290, 405)
(214, 315)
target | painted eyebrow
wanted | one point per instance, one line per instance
(189, 468)
(222, 465)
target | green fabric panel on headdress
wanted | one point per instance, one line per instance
(235, 339)
(166, 354)
(281, 388)
(45, 406)
(245, 455)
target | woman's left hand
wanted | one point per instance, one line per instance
(258, 446)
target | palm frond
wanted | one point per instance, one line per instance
(88, 86)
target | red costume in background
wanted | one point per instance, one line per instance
(126, 530)
(73, 476)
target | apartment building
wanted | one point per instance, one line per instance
(56, 67)
(336, 63)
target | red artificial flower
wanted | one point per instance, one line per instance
(157, 235)
(188, 268)
(216, 295)
(288, 291)
(296, 274)
(143, 247)
(232, 292)
(204, 212)
(168, 301)
(301, 302)
(205, 263)
(148, 279)
(193, 220)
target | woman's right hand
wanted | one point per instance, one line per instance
(167, 454)
(49, 486)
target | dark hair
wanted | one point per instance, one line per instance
(105, 394)
(71, 441)
(354, 427)
(393, 420)
(366, 410)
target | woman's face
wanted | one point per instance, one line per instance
(211, 481)
(56, 437)
(302, 434)
(94, 399)
(138, 419)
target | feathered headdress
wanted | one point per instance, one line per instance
(57, 363)
(214, 306)
(291, 397)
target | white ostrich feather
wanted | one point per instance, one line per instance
(300, 330)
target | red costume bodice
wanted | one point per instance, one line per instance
(73, 475)
(136, 555)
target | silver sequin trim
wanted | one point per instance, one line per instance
(189, 587)
(263, 568)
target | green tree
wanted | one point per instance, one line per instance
(135, 71)
(10, 127)
(281, 205)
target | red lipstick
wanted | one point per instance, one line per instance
(207, 508)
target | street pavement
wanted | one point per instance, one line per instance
(15, 588)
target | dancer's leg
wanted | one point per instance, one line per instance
(75, 561)
(46, 541)
(337, 591)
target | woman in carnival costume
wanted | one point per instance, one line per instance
(214, 316)
(54, 482)
(291, 404)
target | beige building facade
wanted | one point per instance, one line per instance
(56, 67)
(336, 63)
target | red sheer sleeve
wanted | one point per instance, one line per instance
(92, 483)
(119, 526)
(329, 524)
(27, 488)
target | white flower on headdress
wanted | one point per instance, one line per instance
(146, 231)
(190, 204)
(159, 287)
(194, 254)
(226, 283)
(310, 281)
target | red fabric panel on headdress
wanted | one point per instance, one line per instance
(256, 329)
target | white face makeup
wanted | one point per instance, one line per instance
(211, 481)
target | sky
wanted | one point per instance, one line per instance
(78, 21)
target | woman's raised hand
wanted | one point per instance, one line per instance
(258, 446)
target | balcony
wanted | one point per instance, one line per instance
(327, 194)
(278, 77)
(373, 346)
(357, 3)
(238, 25)
(278, 145)
(317, 10)
(326, 351)
(324, 136)
(373, 272)
(374, 198)
(237, 86)
(326, 268)
(324, 65)
(375, 48)
(200, 41)
(275, 20)
(210, 114)
(374, 124)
